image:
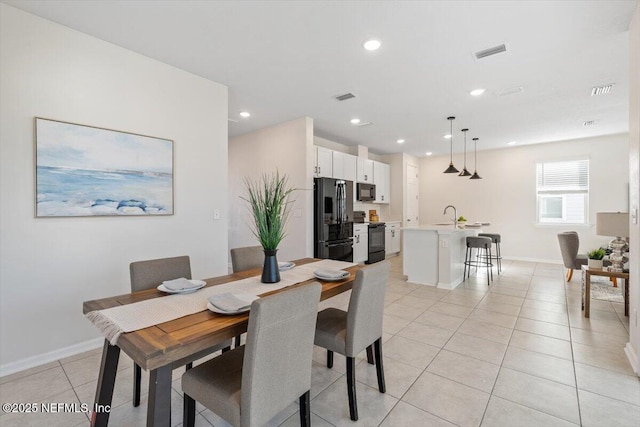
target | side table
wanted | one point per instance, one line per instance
(586, 286)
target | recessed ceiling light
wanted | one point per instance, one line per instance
(245, 114)
(355, 121)
(511, 143)
(476, 92)
(447, 137)
(372, 44)
(400, 141)
(429, 153)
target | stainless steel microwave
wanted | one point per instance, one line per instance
(366, 192)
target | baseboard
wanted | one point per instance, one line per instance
(632, 357)
(41, 359)
(546, 261)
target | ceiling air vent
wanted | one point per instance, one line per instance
(601, 90)
(491, 51)
(589, 123)
(364, 124)
(345, 96)
(509, 91)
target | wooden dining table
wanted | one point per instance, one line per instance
(163, 347)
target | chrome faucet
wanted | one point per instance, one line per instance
(455, 213)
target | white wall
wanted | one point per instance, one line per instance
(288, 148)
(633, 347)
(506, 196)
(49, 266)
(335, 146)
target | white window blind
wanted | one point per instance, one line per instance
(562, 192)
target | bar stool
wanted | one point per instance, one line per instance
(495, 238)
(479, 243)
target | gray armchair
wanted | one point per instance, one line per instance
(569, 244)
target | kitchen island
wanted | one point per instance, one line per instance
(433, 255)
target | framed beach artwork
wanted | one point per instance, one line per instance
(90, 171)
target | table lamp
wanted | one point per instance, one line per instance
(614, 224)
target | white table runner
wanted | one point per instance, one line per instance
(114, 321)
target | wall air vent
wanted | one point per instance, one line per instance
(601, 90)
(509, 91)
(345, 96)
(589, 123)
(361, 124)
(491, 51)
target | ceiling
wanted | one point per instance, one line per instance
(283, 59)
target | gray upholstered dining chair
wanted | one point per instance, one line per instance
(249, 385)
(351, 332)
(569, 244)
(246, 258)
(148, 275)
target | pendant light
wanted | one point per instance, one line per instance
(475, 161)
(465, 172)
(451, 168)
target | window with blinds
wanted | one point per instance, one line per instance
(562, 189)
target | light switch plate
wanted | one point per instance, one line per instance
(216, 214)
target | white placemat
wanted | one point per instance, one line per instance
(114, 321)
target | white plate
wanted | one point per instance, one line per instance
(217, 310)
(330, 279)
(199, 284)
(284, 266)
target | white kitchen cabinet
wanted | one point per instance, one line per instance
(364, 170)
(344, 166)
(382, 180)
(324, 163)
(392, 238)
(360, 242)
(349, 171)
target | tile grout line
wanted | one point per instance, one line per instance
(573, 357)
(526, 373)
(64, 371)
(427, 367)
(484, 413)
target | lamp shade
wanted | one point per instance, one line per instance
(614, 224)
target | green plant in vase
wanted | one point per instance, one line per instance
(595, 258)
(270, 202)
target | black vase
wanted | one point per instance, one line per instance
(270, 270)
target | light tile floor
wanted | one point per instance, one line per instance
(517, 353)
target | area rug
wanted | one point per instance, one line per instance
(602, 289)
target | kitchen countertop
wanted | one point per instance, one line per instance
(441, 229)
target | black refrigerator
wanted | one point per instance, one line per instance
(333, 219)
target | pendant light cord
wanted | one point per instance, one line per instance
(465, 149)
(451, 141)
